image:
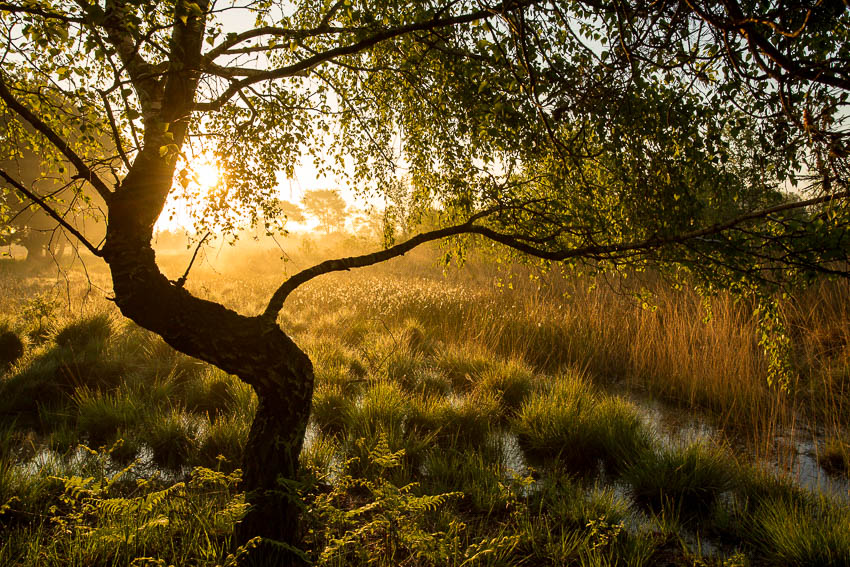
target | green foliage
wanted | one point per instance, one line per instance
(105, 525)
(388, 523)
(774, 339)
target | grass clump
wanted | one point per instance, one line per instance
(512, 382)
(834, 457)
(462, 367)
(687, 480)
(101, 416)
(558, 424)
(209, 394)
(623, 436)
(571, 424)
(800, 533)
(222, 443)
(173, 437)
(331, 408)
(11, 347)
(480, 480)
(456, 421)
(87, 332)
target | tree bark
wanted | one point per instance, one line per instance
(253, 348)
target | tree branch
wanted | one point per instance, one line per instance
(379, 37)
(600, 252)
(84, 171)
(43, 12)
(52, 212)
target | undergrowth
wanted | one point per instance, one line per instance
(453, 424)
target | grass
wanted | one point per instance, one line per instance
(573, 424)
(793, 533)
(687, 480)
(11, 347)
(834, 457)
(453, 424)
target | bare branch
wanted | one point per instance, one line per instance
(227, 46)
(181, 281)
(50, 211)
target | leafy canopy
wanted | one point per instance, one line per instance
(671, 133)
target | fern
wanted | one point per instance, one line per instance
(102, 523)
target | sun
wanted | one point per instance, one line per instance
(194, 182)
(207, 174)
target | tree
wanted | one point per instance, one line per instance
(609, 133)
(327, 206)
(292, 212)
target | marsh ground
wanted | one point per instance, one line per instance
(487, 415)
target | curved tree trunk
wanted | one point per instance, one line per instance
(253, 348)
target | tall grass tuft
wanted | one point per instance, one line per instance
(462, 365)
(86, 333)
(804, 534)
(511, 382)
(101, 417)
(173, 437)
(572, 424)
(331, 408)
(834, 457)
(682, 479)
(557, 424)
(11, 347)
(456, 421)
(222, 443)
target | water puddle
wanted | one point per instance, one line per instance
(797, 460)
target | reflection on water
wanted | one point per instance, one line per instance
(797, 458)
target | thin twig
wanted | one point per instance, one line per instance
(181, 281)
